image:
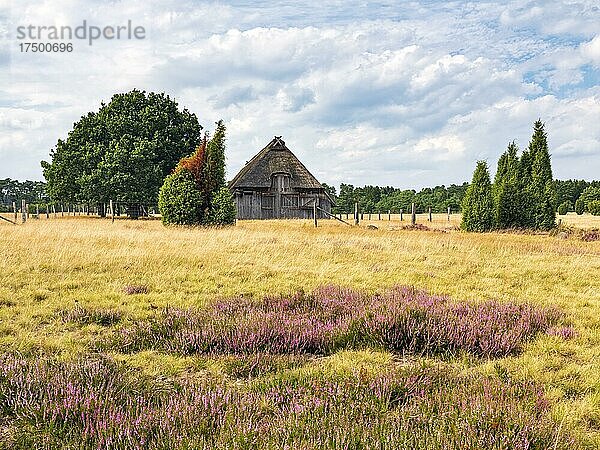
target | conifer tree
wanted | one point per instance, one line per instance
(478, 204)
(214, 168)
(506, 190)
(542, 188)
(221, 208)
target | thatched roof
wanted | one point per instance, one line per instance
(274, 158)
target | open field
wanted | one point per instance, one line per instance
(73, 286)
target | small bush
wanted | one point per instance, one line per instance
(564, 208)
(180, 201)
(594, 207)
(222, 209)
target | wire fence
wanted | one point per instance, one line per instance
(21, 212)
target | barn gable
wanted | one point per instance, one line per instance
(274, 158)
(275, 184)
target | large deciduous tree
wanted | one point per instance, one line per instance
(123, 151)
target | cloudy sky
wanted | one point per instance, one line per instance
(399, 93)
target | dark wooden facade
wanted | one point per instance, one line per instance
(276, 185)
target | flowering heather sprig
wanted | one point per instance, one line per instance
(98, 403)
(88, 315)
(402, 319)
(563, 332)
(132, 289)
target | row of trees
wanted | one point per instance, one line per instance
(374, 198)
(15, 191)
(196, 192)
(523, 194)
(579, 196)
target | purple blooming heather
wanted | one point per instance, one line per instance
(402, 319)
(97, 403)
(563, 332)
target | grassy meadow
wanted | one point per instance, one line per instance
(126, 305)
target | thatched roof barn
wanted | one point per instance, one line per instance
(276, 185)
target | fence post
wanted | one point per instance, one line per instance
(401, 214)
(430, 219)
(389, 214)
(413, 217)
(356, 217)
(15, 210)
(23, 211)
(369, 216)
(315, 212)
(448, 214)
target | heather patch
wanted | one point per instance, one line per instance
(132, 289)
(97, 403)
(83, 315)
(402, 320)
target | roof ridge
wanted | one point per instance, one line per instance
(260, 177)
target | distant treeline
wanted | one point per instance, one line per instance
(375, 198)
(15, 191)
(369, 198)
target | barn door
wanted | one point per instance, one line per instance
(267, 206)
(280, 183)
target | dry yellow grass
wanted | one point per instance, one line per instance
(47, 265)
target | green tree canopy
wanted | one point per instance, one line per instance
(123, 151)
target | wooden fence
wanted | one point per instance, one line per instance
(21, 212)
(114, 210)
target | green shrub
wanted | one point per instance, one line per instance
(590, 194)
(594, 207)
(180, 200)
(478, 204)
(564, 207)
(222, 210)
(580, 206)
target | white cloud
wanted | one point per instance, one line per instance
(404, 95)
(591, 50)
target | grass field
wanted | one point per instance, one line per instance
(66, 285)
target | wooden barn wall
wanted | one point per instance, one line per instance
(268, 205)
